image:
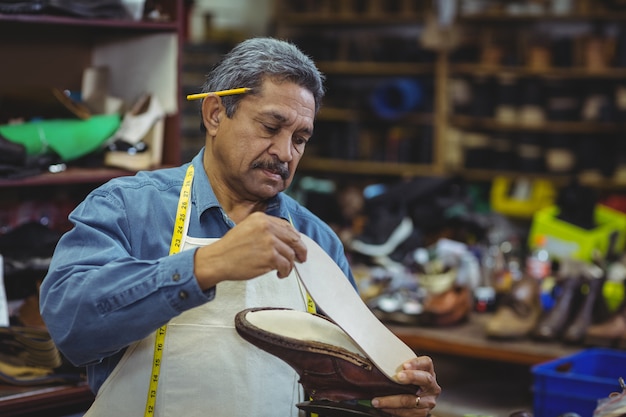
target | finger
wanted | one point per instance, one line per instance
(405, 405)
(424, 379)
(288, 234)
(424, 363)
(286, 257)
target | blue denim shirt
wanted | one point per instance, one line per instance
(111, 281)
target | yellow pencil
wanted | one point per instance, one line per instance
(219, 93)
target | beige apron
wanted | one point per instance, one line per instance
(207, 369)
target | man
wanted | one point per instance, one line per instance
(111, 283)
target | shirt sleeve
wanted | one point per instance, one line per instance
(100, 295)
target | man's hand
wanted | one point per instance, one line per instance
(419, 371)
(259, 244)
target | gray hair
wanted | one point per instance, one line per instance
(250, 62)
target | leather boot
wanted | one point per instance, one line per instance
(518, 311)
(552, 325)
(610, 333)
(592, 303)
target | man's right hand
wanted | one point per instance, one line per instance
(259, 244)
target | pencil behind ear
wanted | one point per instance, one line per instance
(211, 113)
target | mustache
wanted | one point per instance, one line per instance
(274, 166)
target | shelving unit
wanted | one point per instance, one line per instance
(324, 29)
(327, 30)
(361, 47)
(566, 61)
(53, 51)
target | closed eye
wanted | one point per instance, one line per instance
(271, 129)
(299, 140)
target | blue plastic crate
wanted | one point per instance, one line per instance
(575, 383)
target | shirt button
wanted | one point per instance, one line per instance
(182, 295)
(176, 277)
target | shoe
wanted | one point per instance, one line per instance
(12, 153)
(539, 57)
(28, 346)
(610, 333)
(532, 107)
(389, 234)
(436, 277)
(34, 102)
(552, 325)
(530, 153)
(560, 157)
(592, 304)
(506, 109)
(138, 143)
(331, 367)
(28, 314)
(518, 311)
(138, 121)
(504, 155)
(399, 307)
(448, 308)
(562, 104)
(594, 54)
(477, 150)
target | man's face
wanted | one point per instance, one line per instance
(259, 149)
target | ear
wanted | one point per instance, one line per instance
(212, 113)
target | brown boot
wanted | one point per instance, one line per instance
(592, 304)
(518, 311)
(610, 333)
(552, 325)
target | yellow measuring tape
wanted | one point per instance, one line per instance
(175, 246)
(177, 239)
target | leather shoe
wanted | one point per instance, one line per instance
(609, 333)
(447, 308)
(592, 304)
(552, 325)
(518, 312)
(330, 365)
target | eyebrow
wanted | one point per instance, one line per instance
(282, 119)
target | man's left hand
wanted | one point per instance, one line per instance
(419, 371)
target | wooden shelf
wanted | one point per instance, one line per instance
(469, 340)
(375, 68)
(508, 18)
(352, 19)
(37, 19)
(70, 176)
(343, 166)
(553, 72)
(577, 127)
(32, 401)
(328, 113)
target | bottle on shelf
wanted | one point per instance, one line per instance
(538, 263)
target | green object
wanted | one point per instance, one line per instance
(566, 240)
(613, 293)
(70, 139)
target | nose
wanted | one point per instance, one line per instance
(282, 148)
